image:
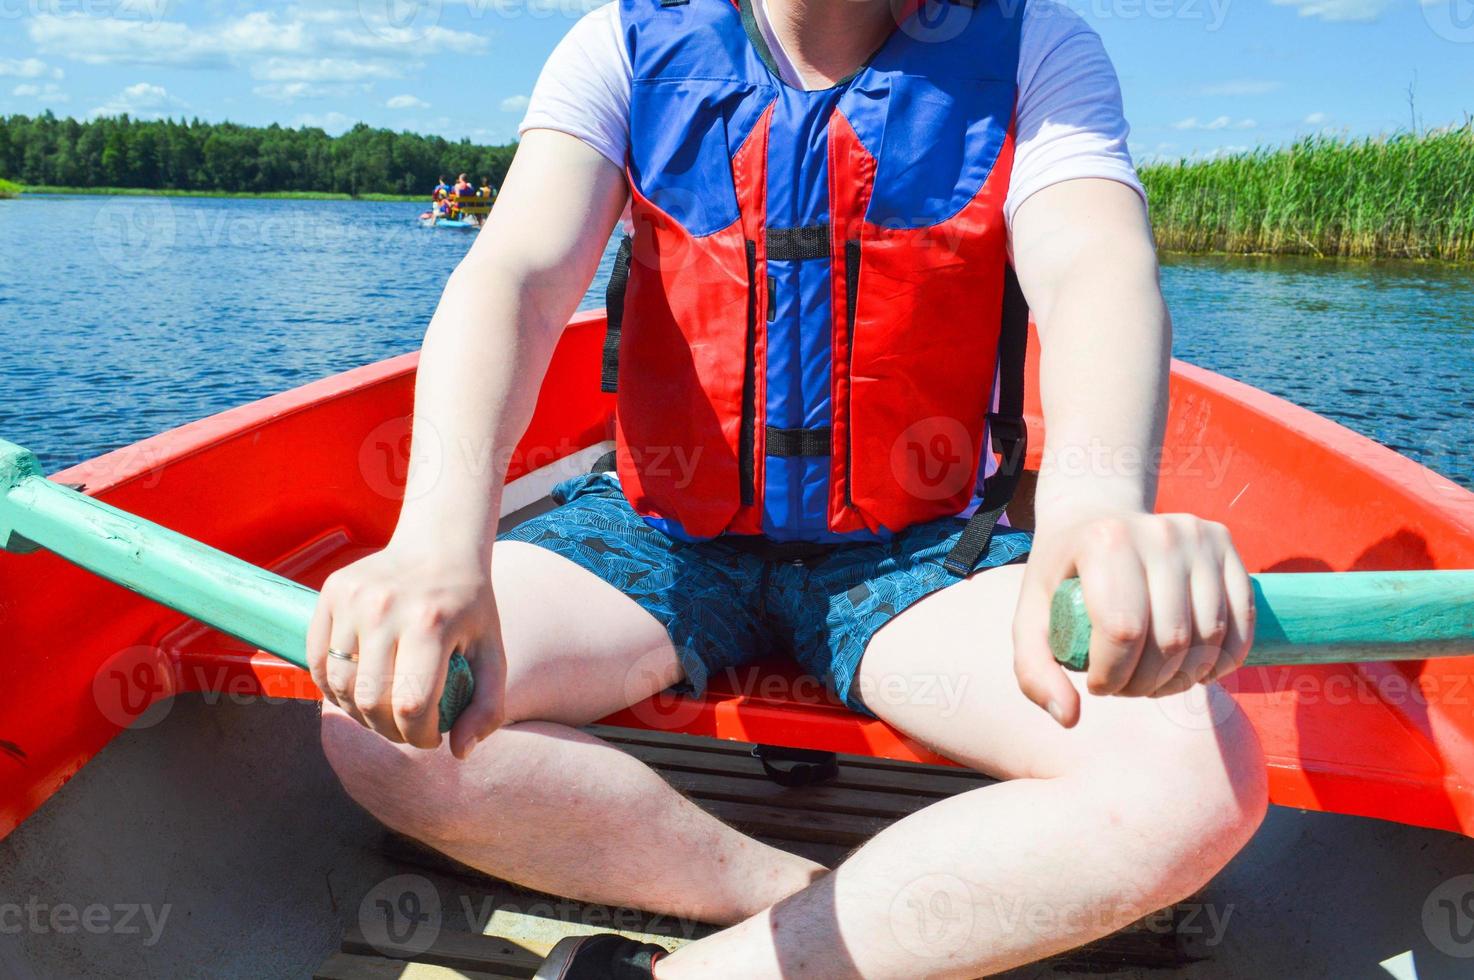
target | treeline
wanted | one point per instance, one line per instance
(1405, 196)
(201, 156)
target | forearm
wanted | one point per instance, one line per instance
(1088, 266)
(493, 336)
(483, 360)
(1106, 342)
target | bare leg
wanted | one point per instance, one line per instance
(547, 806)
(1132, 810)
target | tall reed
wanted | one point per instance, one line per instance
(1405, 196)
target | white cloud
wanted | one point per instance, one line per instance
(406, 102)
(1221, 122)
(333, 122)
(513, 103)
(141, 100)
(49, 92)
(292, 91)
(1317, 119)
(1338, 10)
(322, 70)
(323, 34)
(26, 68)
(1241, 87)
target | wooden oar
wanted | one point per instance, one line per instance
(1323, 618)
(257, 606)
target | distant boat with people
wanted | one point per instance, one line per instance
(459, 205)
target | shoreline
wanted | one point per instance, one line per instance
(1405, 196)
(50, 191)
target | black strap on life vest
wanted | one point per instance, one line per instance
(1007, 429)
(797, 244)
(619, 278)
(798, 442)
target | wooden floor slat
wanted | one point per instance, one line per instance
(347, 966)
(921, 783)
(459, 950)
(822, 823)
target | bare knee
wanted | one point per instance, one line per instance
(426, 794)
(1195, 786)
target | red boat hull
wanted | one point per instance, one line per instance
(308, 480)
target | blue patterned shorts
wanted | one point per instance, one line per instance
(725, 605)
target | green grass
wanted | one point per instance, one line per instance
(272, 195)
(1401, 196)
(7, 189)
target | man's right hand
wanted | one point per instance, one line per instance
(400, 614)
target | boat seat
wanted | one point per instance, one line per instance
(770, 703)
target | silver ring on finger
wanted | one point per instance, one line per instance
(337, 654)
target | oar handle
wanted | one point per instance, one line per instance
(1323, 618)
(257, 606)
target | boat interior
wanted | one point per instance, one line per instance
(156, 764)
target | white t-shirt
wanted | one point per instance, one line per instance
(1070, 121)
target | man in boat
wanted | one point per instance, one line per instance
(463, 187)
(484, 191)
(441, 191)
(826, 199)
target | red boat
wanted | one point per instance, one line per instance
(310, 479)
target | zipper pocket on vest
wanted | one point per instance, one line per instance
(746, 449)
(851, 295)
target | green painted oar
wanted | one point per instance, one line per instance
(257, 606)
(1323, 618)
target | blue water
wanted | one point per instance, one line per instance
(122, 317)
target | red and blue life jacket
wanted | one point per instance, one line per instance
(805, 325)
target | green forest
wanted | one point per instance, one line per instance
(200, 156)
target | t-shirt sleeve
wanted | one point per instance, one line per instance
(584, 88)
(1071, 124)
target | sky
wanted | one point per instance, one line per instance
(1199, 77)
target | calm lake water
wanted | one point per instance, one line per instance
(122, 317)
